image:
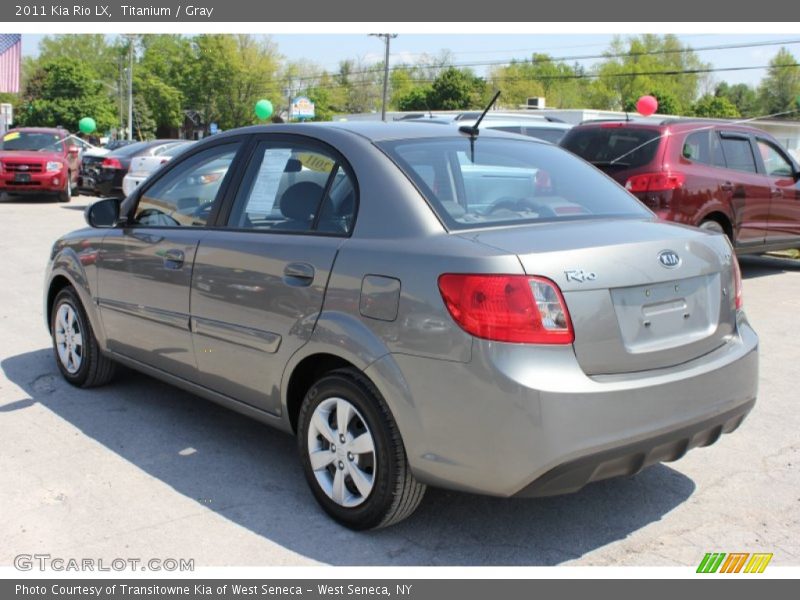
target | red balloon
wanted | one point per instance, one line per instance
(646, 105)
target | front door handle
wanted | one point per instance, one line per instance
(173, 259)
(298, 274)
(776, 192)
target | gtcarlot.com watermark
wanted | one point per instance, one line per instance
(47, 562)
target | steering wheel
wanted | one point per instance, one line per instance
(520, 205)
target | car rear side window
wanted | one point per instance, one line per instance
(696, 148)
(738, 154)
(497, 181)
(185, 195)
(612, 144)
(292, 188)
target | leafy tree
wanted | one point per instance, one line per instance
(456, 89)
(415, 98)
(741, 95)
(631, 70)
(780, 89)
(61, 92)
(717, 107)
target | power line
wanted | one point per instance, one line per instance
(576, 57)
(577, 76)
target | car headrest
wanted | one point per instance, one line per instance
(300, 201)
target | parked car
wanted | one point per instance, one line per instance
(549, 129)
(142, 167)
(37, 161)
(362, 286)
(105, 178)
(728, 178)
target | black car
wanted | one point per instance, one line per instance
(103, 176)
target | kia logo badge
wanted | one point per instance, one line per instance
(669, 259)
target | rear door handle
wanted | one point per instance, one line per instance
(298, 274)
(173, 259)
(726, 186)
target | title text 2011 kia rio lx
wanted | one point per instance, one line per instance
(470, 310)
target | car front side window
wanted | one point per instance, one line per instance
(184, 196)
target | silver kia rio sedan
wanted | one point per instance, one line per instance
(469, 310)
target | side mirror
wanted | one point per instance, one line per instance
(103, 213)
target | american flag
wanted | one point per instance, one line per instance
(10, 56)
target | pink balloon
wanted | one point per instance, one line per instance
(646, 105)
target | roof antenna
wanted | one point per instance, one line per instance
(472, 130)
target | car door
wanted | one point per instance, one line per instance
(145, 267)
(259, 281)
(784, 208)
(750, 194)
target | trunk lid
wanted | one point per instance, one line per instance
(631, 310)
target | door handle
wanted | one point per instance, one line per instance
(298, 274)
(726, 186)
(173, 259)
(776, 192)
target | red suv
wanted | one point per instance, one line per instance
(724, 177)
(39, 161)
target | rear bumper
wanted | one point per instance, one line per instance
(520, 420)
(632, 458)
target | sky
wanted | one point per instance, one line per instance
(327, 50)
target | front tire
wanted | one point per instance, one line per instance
(352, 453)
(714, 226)
(65, 195)
(77, 352)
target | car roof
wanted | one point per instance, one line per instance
(374, 131)
(673, 124)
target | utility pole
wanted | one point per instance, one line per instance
(130, 87)
(386, 37)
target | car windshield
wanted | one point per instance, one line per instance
(613, 145)
(502, 181)
(29, 140)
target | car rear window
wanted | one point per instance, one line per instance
(625, 147)
(497, 181)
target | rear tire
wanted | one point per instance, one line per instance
(77, 352)
(366, 482)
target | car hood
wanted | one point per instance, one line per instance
(31, 155)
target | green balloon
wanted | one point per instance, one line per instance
(263, 109)
(87, 125)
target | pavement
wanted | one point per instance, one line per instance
(141, 469)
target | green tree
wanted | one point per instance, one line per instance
(61, 92)
(632, 69)
(780, 88)
(716, 107)
(456, 89)
(741, 95)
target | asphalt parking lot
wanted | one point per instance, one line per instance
(141, 469)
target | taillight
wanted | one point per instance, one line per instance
(111, 163)
(508, 308)
(737, 283)
(655, 182)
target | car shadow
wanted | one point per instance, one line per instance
(250, 474)
(24, 199)
(763, 264)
